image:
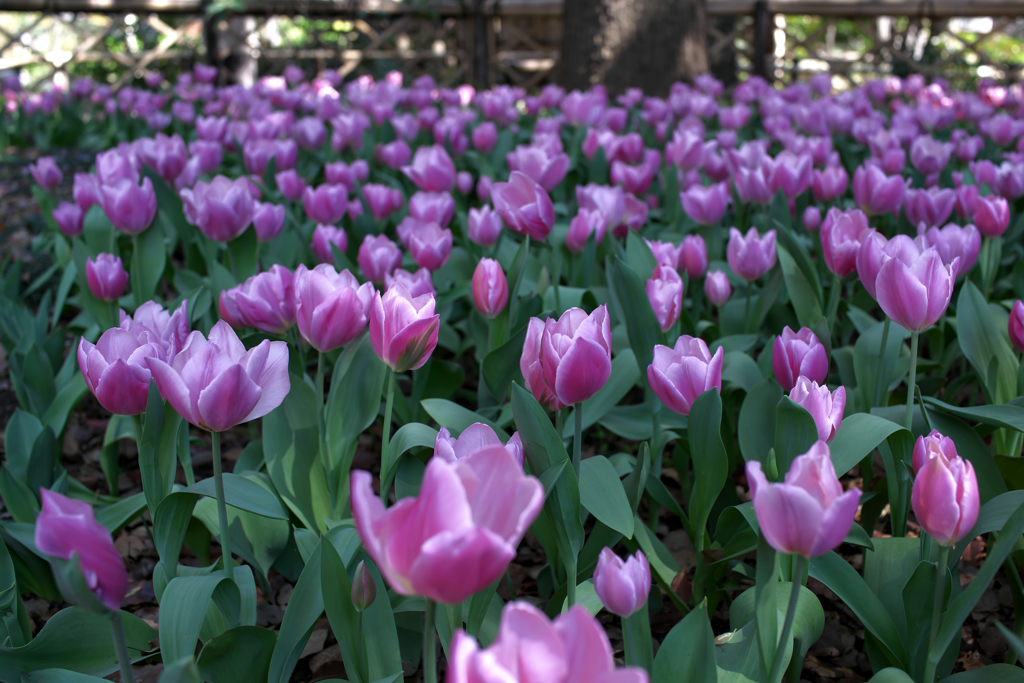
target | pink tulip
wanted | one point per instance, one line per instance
(216, 384)
(310, 132)
(678, 376)
(116, 165)
(432, 207)
(106, 277)
(46, 173)
(326, 204)
(116, 369)
(824, 406)
(531, 648)
(798, 354)
(751, 256)
(1016, 325)
(665, 292)
(791, 173)
(623, 587)
(808, 514)
(693, 256)
(706, 205)
(265, 302)
(584, 224)
(484, 226)
(207, 154)
(490, 288)
(953, 242)
(665, 253)
(66, 528)
(841, 233)
(637, 178)
(378, 256)
(395, 154)
(566, 361)
(222, 209)
(474, 438)
(483, 188)
(811, 218)
(524, 206)
(931, 207)
(129, 206)
(403, 328)
(418, 283)
(915, 294)
(464, 182)
(331, 308)
(430, 245)
(539, 164)
(829, 184)
(992, 215)
(86, 191)
(875, 249)
(326, 236)
(928, 155)
(485, 137)
(610, 202)
(268, 220)
(752, 185)
(469, 514)
(717, 288)
(290, 184)
(69, 218)
(966, 201)
(945, 498)
(432, 170)
(633, 218)
(875, 193)
(167, 155)
(686, 150)
(931, 446)
(256, 155)
(152, 324)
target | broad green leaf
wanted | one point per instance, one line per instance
(920, 590)
(304, 609)
(183, 607)
(1009, 415)
(993, 673)
(56, 416)
(736, 654)
(602, 494)
(795, 433)
(756, 428)
(687, 655)
(992, 516)
(239, 655)
(353, 401)
(808, 622)
(1014, 641)
(182, 671)
(891, 675)
(985, 346)
(344, 618)
(801, 293)
(857, 437)
(887, 569)
(457, 418)
(866, 358)
(587, 596)
(634, 309)
(152, 259)
(709, 459)
(741, 370)
(408, 436)
(243, 494)
(501, 366)
(158, 455)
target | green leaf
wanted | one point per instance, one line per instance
(304, 609)
(992, 516)
(239, 655)
(151, 261)
(710, 462)
(857, 437)
(182, 671)
(765, 604)
(741, 370)
(756, 428)
(801, 293)
(501, 366)
(59, 676)
(242, 254)
(117, 515)
(993, 673)
(344, 619)
(1012, 639)
(353, 402)
(409, 436)
(985, 346)
(602, 494)
(158, 455)
(184, 604)
(891, 675)
(243, 494)
(736, 654)
(795, 433)
(808, 622)
(687, 655)
(661, 560)
(1010, 416)
(887, 569)
(19, 437)
(56, 415)
(456, 418)
(865, 362)
(634, 308)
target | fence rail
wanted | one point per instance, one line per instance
(512, 41)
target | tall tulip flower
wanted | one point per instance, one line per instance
(222, 209)
(876, 193)
(524, 206)
(825, 407)
(750, 256)
(490, 288)
(679, 375)
(1016, 325)
(798, 353)
(665, 292)
(623, 587)
(265, 301)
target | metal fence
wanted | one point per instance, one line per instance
(482, 41)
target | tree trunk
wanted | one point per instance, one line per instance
(647, 44)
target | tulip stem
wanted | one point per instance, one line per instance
(940, 593)
(577, 445)
(879, 389)
(320, 407)
(124, 659)
(222, 509)
(386, 435)
(746, 311)
(787, 626)
(911, 380)
(429, 642)
(636, 637)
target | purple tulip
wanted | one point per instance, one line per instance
(222, 209)
(211, 127)
(490, 288)
(167, 155)
(86, 191)
(966, 201)
(992, 215)
(665, 292)
(915, 294)
(636, 178)
(69, 218)
(331, 308)
(824, 406)
(326, 236)
(809, 514)
(791, 173)
(752, 185)
(751, 256)
(931, 446)
(432, 170)
(584, 224)
(129, 206)
(474, 438)
(464, 182)
(1016, 325)
(686, 150)
(945, 498)
(485, 137)
(403, 328)
(432, 207)
(326, 204)
(623, 587)
(829, 184)
(524, 206)
(717, 288)
(928, 155)
(46, 173)
(797, 354)
(693, 256)
(841, 235)
(811, 218)
(931, 207)
(268, 219)
(310, 132)
(66, 528)
(610, 202)
(290, 184)
(265, 302)
(382, 199)
(106, 277)
(378, 257)
(484, 226)
(566, 361)
(116, 165)
(417, 284)
(953, 242)
(430, 245)
(875, 193)
(539, 164)
(116, 369)
(256, 155)
(679, 375)
(706, 205)
(665, 253)
(340, 173)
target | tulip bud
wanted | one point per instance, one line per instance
(584, 224)
(945, 498)
(524, 206)
(915, 294)
(432, 170)
(566, 361)
(464, 182)
(693, 256)
(992, 216)
(430, 245)
(750, 256)
(623, 587)
(490, 288)
(717, 288)
(484, 225)
(432, 207)
(841, 233)
(129, 206)
(665, 292)
(875, 193)
(679, 375)
(824, 406)
(812, 218)
(331, 308)
(418, 283)
(798, 353)
(324, 236)
(46, 172)
(290, 184)
(364, 588)
(68, 217)
(378, 257)
(403, 328)
(106, 277)
(483, 188)
(268, 221)
(1016, 325)
(326, 204)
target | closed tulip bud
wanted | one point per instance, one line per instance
(129, 206)
(324, 238)
(566, 361)
(403, 328)
(798, 354)
(665, 253)
(679, 375)
(46, 173)
(116, 369)
(86, 191)
(265, 301)
(331, 308)
(584, 224)
(992, 215)
(485, 137)
(67, 528)
(378, 257)
(364, 588)
(930, 446)
(824, 406)
(216, 384)
(483, 188)
(812, 218)
(484, 226)
(432, 170)
(524, 206)
(430, 245)
(326, 204)
(395, 154)
(873, 251)
(693, 256)
(623, 587)
(1016, 325)
(310, 132)
(290, 184)
(751, 256)
(809, 514)
(417, 284)
(474, 438)
(167, 155)
(875, 193)
(432, 207)
(222, 209)
(268, 219)
(490, 288)
(841, 233)
(915, 294)
(717, 288)
(340, 173)
(791, 173)
(945, 498)
(464, 182)
(665, 292)
(106, 277)
(209, 154)
(68, 218)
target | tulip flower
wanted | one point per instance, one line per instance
(418, 283)
(915, 293)
(265, 301)
(310, 132)
(717, 288)
(665, 253)
(430, 245)
(484, 226)
(403, 328)
(751, 256)
(378, 257)
(679, 375)
(483, 188)
(490, 288)
(841, 233)
(693, 256)
(808, 514)
(485, 137)
(945, 498)
(221, 209)
(464, 182)
(69, 218)
(811, 218)
(116, 370)
(829, 184)
(106, 277)
(324, 238)
(432, 207)
(791, 173)
(1016, 325)
(992, 215)
(566, 361)
(129, 206)
(474, 438)
(331, 308)
(432, 170)
(875, 193)
(382, 200)
(824, 406)
(797, 354)
(966, 204)
(931, 207)
(931, 446)
(665, 292)
(268, 220)
(752, 185)
(953, 242)
(86, 191)
(544, 166)
(584, 224)
(572, 649)
(290, 184)
(396, 155)
(928, 155)
(622, 586)
(524, 206)
(469, 514)
(326, 204)
(167, 155)
(67, 528)
(46, 173)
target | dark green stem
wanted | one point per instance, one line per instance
(911, 380)
(746, 311)
(320, 407)
(124, 659)
(940, 593)
(879, 389)
(429, 643)
(386, 435)
(577, 445)
(787, 625)
(222, 509)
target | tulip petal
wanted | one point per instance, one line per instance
(272, 379)
(225, 401)
(902, 296)
(123, 389)
(586, 646)
(173, 388)
(836, 523)
(789, 518)
(481, 556)
(582, 371)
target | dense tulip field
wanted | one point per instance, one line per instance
(447, 329)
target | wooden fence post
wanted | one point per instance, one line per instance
(762, 39)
